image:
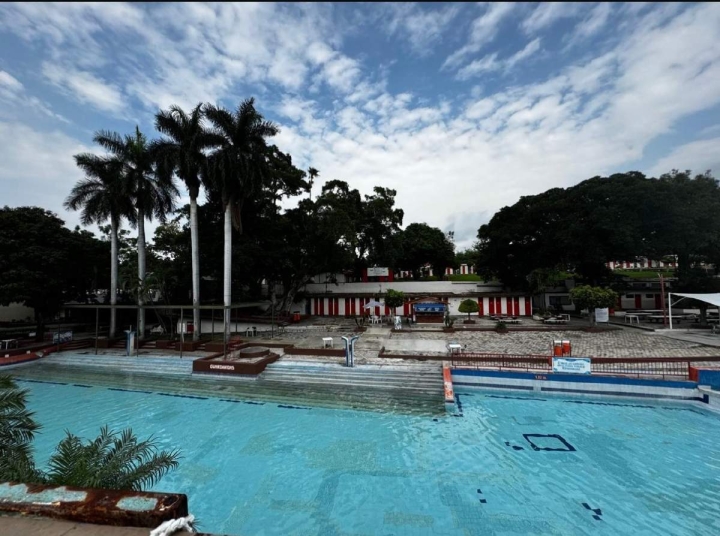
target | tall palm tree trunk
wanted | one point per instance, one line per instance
(113, 275)
(195, 249)
(141, 273)
(227, 270)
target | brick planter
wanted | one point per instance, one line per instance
(468, 321)
(105, 343)
(164, 345)
(187, 346)
(214, 347)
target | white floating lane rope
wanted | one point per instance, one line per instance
(174, 525)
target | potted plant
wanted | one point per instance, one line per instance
(501, 327)
(468, 306)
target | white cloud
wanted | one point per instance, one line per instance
(698, 156)
(85, 87)
(491, 63)
(14, 94)
(547, 13)
(37, 165)
(482, 31)
(9, 83)
(594, 22)
(421, 27)
(454, 159)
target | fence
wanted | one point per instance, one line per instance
(665, 367)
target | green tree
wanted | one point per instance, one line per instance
(111, 461)
(394, 298)
(591, 298)
(313, 174)
(468, 306)
(39, 262)
(183, 150)
(421, 244)
(237, 170)
(153, 194)
(101, 196)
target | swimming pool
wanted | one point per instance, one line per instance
(505, 463)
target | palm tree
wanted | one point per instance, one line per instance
(183, 151)
(313, 174)
(153, 194)
(236, 170)
(111, 461)
(17, 431)
(103, 195)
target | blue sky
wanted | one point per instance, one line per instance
(462, 108)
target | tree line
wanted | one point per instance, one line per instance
(228, 155)
(577, 230)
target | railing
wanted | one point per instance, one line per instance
(664, 367)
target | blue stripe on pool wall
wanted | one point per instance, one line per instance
(575, 378)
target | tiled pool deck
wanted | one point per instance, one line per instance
(20, 526)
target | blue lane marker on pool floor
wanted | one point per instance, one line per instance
(285, 406)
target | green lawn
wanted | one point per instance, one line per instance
(464, 277)
(645, 274)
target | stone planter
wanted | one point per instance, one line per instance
(502, 331)
(448, 330)
(468, 321)
(164, 345)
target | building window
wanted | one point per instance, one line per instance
(650, 296)
(629, 296)
(559, 300)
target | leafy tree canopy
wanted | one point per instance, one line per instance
(43, 263)
(394, 298)
(579, 229)
(420, 244)
(468, 306)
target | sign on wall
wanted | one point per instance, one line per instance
(571, 365)
(378, 272)
(62, 336)
(602, 315)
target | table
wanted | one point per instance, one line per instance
(327, 341)
(5, 344)
(629, 319)
(454, 348)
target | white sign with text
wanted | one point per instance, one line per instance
(378, 272)
(602, 315)
(571, 365)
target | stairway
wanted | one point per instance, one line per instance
(120, 363)
(420, 380)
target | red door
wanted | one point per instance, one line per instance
(638, 301)
(658, 302)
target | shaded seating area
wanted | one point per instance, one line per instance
(506, 319)
(557, 319)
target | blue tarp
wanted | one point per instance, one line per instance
(429, 307)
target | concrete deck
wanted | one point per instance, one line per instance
(22, 526)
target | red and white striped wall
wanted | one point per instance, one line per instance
(505, 305)
(496, 305)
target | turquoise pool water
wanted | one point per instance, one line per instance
(505, 464)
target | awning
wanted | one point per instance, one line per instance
(711, 298)
(429, 307)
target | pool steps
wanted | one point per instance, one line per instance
(416, 389)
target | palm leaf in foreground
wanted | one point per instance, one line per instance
(112, 461)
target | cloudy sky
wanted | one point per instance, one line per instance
(461, 108)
